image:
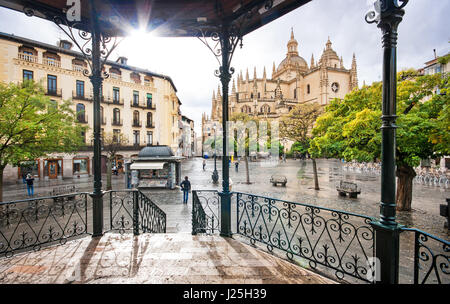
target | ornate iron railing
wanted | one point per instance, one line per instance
(132, 210)
(205, 211)
(340, 241)
(431, 258)
(32, 223)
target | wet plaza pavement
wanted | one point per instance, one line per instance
(299, 188)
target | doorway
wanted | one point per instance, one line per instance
(52, 169)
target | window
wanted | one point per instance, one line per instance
(259, 95)
(135, 98)
(135, 118)
(150, 137)
(308, 89)
(116, 95)
(116, 137)
(295, 93)
(80, 88)
(116, 116)
(149, 119)
(80, 112)
(149, 100)
(136, 137)
(102, 118)
(27, 75)
(251, 95)
(237, 96)
(51, 84)
(80, 165)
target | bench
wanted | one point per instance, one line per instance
(278, 179)
(61, 191)
(351, 188)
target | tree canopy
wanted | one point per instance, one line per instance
(32, 125)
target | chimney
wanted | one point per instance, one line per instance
(122, 60)
(434, 51)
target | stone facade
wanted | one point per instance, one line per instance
(136, 102)
(293, 82)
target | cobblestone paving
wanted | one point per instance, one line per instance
(153, 258)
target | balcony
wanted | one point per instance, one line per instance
(78, 68)
(137, 124)
(110, 100)
(77, 96)
(135, 104)
(151, 106)
(150, 124)
(51, 62)
(82, 119)
(117, 122)
(53, 92)
(27, 57)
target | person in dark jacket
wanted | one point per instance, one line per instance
(185, 187)
(30, 187)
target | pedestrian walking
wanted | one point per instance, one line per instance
(236, 165)
(204, 164)
(186, 188)
(24, 177)
(30, 187)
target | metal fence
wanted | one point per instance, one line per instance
(33, 223)
(205, 211)
(336, 243)
(132, 210)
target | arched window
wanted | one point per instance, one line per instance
(265, 109)
(259, 95)
(308, 89)
(149, 119)
(295, 93)
(116, 116)
(251, 95)
(136, 118)
(80, 112)
(246, 109)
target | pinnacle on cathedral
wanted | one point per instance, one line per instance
(264, 73)
(312, 61)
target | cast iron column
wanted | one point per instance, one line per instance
(225, 76)
(96, 79)
(387, 230)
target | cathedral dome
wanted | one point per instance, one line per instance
(292, 58)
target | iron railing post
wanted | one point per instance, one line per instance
(135, 213)
(96, 79)
(225, 76)
(388, 14)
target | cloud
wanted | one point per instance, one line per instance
(191, 65)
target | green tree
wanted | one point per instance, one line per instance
(297, 126)
(112, 143)
(350, 128)
(31, 125)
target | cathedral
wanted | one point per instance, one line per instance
(292, 83)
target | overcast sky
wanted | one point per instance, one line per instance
(191, 65)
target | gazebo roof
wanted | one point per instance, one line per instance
(168, 18)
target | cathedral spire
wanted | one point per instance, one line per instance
(292, 33)
(328, 43)
(342, 63)
(246, 76)
(273, 69)
(312, 61)
(219, 96)
(292, 45)
(214, 95)
(233, 90)
(264, 73)
(353, 74)
(254, 74)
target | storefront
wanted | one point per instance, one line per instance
(156, 166)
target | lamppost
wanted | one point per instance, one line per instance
(215, 175)
(388, 14)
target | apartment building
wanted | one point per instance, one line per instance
(136, 102)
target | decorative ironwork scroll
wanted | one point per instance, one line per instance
(205, 211)
(30, 224)
(337, 240)
(82, 39)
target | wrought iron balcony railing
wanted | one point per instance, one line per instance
(135, 104)
(137, 123)
(78, 96)
(82, 119)
(150, 124)
(53, 92)
(117, 122)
